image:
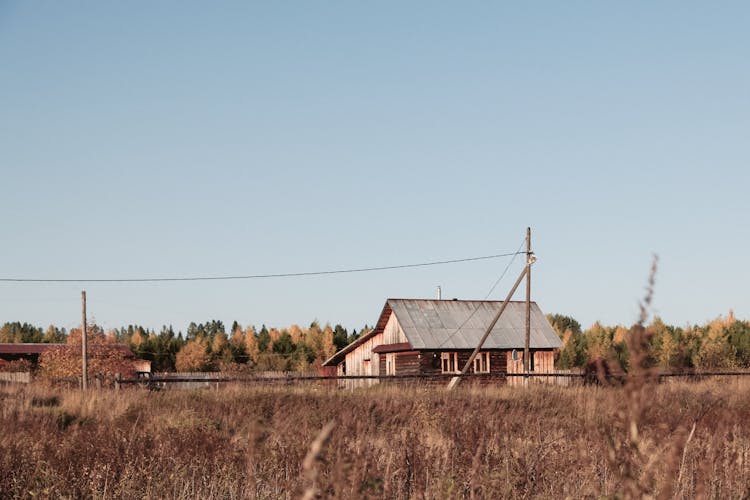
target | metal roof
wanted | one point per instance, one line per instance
(28, 348)
(460, 324)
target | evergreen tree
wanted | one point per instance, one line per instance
(738, 336)
(562, 324)
(264, 339)
(340, 337)
(284, 344)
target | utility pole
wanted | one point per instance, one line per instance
(84, 351)
(455, 380)
(526, 357)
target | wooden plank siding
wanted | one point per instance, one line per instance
(543, 362)
(407, 363)
(362, 361)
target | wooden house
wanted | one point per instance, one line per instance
(430, 337)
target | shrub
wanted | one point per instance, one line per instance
(17, 366)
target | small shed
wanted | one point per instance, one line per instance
(31, 351)
(430, 337)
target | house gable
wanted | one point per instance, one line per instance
(364, 360)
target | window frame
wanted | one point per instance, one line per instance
(482, 362)
(451, 359)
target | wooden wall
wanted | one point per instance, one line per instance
(392, 333)
(362, 361)
(407, 363)
(544, 362)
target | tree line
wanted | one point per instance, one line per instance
(722, 343)
(719, 344)
(206, 346)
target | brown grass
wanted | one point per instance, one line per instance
(243, 442)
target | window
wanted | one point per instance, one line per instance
(482, 363)
(449, 362)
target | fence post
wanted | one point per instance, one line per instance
(118, 377)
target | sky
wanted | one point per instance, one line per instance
(173, 139)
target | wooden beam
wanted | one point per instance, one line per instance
(455, 380)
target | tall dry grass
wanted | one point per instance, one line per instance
(395, 442)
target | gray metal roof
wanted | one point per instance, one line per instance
(434, 324)
(460, 324)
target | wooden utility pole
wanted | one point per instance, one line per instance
(455, 380)
(526, 357)
(84, 351)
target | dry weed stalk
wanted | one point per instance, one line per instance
(634, 457)
(309, 464)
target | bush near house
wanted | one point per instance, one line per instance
(105, 357)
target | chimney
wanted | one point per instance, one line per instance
(439, 293)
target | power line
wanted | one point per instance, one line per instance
(497, 281)
(256, 276)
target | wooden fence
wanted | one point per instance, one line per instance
(15, 377)
(196, 380)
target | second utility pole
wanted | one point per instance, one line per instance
(84, 350)
(526, 356)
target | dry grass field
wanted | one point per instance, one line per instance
(388, 442)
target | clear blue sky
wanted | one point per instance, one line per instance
(142, 139)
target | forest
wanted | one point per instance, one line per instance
(722, 343)
(204, 346)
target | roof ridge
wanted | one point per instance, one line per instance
(459, 300)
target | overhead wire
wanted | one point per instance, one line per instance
(258, 276)
(492, 289)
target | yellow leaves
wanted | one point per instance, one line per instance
(620, 335)
(193, 357)
(219, 343)
(296, 333)
(599, 342)
(251, 345)
(669, 351)
(274, 334)
(94, 335)
(238, 338)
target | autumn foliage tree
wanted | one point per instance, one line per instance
(194, 356)
(105, 357)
